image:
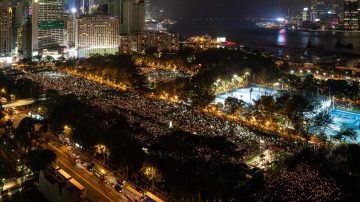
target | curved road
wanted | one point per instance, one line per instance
(96, 189)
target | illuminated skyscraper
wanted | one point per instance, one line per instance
(47, 24)
(6, 21)
(351, 14)
(306, 15)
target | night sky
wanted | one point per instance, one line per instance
(228, 8)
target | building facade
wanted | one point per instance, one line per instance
(131, 15)
(97, 32)
(47, 24)
(71, 30)
(6, 27)
(201, 43)
(351, 14)
(142, 41)
(57, 185)
(138, 16)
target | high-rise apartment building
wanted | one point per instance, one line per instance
(6, 23)
(351, 14)
(47, 24)
(142, 41)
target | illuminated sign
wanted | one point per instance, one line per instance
(45, 25)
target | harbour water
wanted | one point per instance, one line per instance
(246, 33)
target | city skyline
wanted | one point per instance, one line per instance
(229, 8)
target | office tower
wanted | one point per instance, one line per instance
(71, 29)
(87, 6)
(338, 6)
(81, 6)
(115, 9)
(97, 32)
(148, 9)
(126, 17)
(47, 24)
(77, 5)
(157, 14)
(322, 8)
(316, 10)
(138, 16)
(18, 25)
(6, 23)
(351, 14)
(130, 13)
(306, 15)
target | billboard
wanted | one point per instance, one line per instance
(58, 24)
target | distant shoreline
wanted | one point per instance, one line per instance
(340, 31)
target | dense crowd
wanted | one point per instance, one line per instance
(162, 75)
(153, 115)
(302, 184)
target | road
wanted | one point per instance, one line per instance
(96, 189)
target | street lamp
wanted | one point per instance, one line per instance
(247, 77)
(282, 84)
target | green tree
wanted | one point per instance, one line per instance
(125, 151)
(40, 159)
(234, 105)
(320, 122)
(201, 98)
(265, 107)
(49, 59)
(25, 133)
(346, 132)
(191, 173)
(296, 108)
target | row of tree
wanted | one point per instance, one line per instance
(294, 112)
(117, 68)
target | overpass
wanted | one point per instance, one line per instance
(18, 103)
